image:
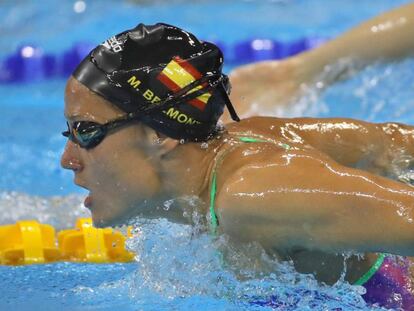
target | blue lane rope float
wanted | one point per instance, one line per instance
(30, 63)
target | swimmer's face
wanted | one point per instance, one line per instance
(118, 172)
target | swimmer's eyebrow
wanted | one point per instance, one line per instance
(75, 117)
(72, 117)
(82, 117)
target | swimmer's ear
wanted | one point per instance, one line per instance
(167, 145)
(163, 144)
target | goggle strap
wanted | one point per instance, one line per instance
(213, 80)
(229, 105)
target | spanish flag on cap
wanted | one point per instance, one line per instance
(178, 74)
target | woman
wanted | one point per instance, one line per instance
(142, 112)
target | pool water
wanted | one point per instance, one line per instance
(177, 267)
(168, 277)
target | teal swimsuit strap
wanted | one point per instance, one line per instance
(213, 190)
(369, 274)
(213, 216)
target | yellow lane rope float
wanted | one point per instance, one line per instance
(29, 242)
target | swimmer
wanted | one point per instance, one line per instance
(142, 111)
(266, 85)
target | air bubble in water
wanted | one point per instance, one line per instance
(167, 204)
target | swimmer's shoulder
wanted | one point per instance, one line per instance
(241, 175)
(242, 152)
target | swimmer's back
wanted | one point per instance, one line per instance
(295, 200)
(241, 150)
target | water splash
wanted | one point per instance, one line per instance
(379, 93)
(178, 262)
(58, 211)
(176, 265)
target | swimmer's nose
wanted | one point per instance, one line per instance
(70, 159)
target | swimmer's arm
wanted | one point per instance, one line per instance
(377, 147)
(258, 88)
(302, 201)
(388, 36)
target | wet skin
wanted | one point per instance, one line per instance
(305, 202)
(310, 201)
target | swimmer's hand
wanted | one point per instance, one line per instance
(261, 88)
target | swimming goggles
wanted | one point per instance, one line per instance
(88, 134)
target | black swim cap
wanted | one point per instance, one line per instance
(163, 74)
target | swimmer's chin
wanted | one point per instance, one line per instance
(102, 221)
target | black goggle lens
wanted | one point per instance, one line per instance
(88, 134)
(85, 134)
